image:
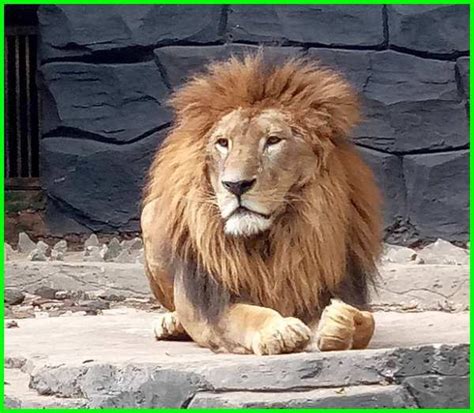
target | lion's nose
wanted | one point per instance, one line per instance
(238, 187)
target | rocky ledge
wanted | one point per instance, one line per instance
(98, 276)
(114, 361)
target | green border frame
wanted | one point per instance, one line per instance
(202, 2)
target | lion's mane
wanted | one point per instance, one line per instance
(328, 240)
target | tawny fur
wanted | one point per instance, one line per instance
(331, 220)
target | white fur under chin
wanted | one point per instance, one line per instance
(246, 225)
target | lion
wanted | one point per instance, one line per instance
(261, 223)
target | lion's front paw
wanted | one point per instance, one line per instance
(281, 335)
(168, 327)
(343, 327)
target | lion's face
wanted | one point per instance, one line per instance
(254, 160)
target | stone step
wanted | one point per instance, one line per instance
(112, 360)
(374, 396)
(19, 395)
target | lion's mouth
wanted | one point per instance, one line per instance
(241, 210)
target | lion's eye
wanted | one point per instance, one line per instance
(223, 143)
(273, 140)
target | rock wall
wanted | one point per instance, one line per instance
(107, 72)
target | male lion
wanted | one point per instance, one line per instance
(259, 213)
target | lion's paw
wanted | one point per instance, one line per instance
(282, 335)
(167, 326)
(343, 327)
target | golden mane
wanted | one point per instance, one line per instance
(327, 239)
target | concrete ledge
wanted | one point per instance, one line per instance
(402, 286)
(124, 279)
(422, 287)
(112, 360)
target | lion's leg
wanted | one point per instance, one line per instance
(214, 321)
(265, 331)
(343, 327)
(245, 328)
(167, 325)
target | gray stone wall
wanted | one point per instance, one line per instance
(107, 72)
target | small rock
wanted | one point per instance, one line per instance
(419, 260)
(9, 252)
(62, 295)
(13, 296)
(78, 295)
(12, 402)
(92, 311)
(398, 254)
(443, 252)
(25, 244)
(57, 255)
(92, 241)
(41, 314)
(46, 292)
(66, 314)
(133, 244)
(103, 250)
(115, 297)
(412, 305)
(140, 259)
(37, 255)
(43, 247)
(113, 250)
(95, 304)
(61, 246)
(446, 305)
(93, 253)
(110, 296)
(12, 324)
(125, 257)
(68, 302)
(92, 295)
(15, 362)
(137, 300)
(78, 313)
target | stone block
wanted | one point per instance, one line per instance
(462, 67)
(437, 29)
(409, 104)
(330, 25)
(110, 178)
(438, 194)
(110, 103)
(81, 30)
(388, 172)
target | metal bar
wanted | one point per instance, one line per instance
(28, 106)
(18, 103)
(39, 106)
(6, 156)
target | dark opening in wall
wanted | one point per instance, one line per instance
(22, 128)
